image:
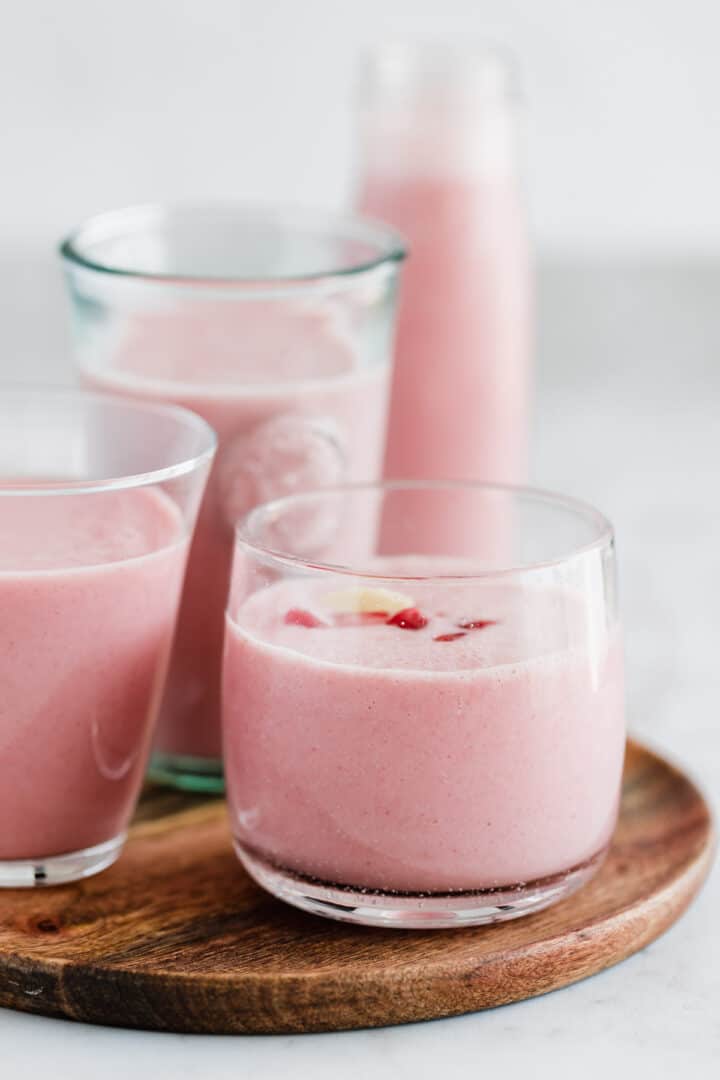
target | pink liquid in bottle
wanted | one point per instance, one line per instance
(440, 166)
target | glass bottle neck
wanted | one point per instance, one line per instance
(435, 111)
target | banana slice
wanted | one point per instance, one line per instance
(361, 599)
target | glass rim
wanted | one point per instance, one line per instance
(604, 538)
(487, 67)
(184, 417)
(391, 245)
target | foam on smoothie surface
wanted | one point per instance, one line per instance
(64, 531)
(459, 628)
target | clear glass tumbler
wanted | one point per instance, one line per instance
(98, 499)
(423, 740)
(276, 327)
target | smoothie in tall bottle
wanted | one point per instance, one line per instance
(439, 163)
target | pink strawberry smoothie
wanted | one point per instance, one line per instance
(444, 175)
(88, 594)
(472, 742)
(293, 408)
(459, 405)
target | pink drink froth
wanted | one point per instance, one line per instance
(378, 757)
(292, 407)
(88, 593)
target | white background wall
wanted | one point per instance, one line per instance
(105, 103)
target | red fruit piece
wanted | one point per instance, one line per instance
(359, 618)
(477, 624)
(300, 617)
(450, 637)
(409, 618)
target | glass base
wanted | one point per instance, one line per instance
(60, 869)
(187, 773)
(416, 911)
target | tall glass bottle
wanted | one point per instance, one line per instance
(439, 163)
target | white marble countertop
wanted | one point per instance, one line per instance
(628, 417)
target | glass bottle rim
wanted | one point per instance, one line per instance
(399, 69)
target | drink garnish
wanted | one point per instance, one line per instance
(408, 619)
(366, 599)
(301, 617)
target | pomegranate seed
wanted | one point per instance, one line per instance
(299, 617)
(408, 619)
(359, 618)
(477, 624)
(450, 637)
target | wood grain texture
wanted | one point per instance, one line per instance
(175, 937)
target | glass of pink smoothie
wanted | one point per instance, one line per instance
(98, 500)
(276, 327)
(423, 740)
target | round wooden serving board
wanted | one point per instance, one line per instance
(175, 937)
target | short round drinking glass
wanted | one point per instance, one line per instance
(423, 740)
(275, 326)
(98, 499)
